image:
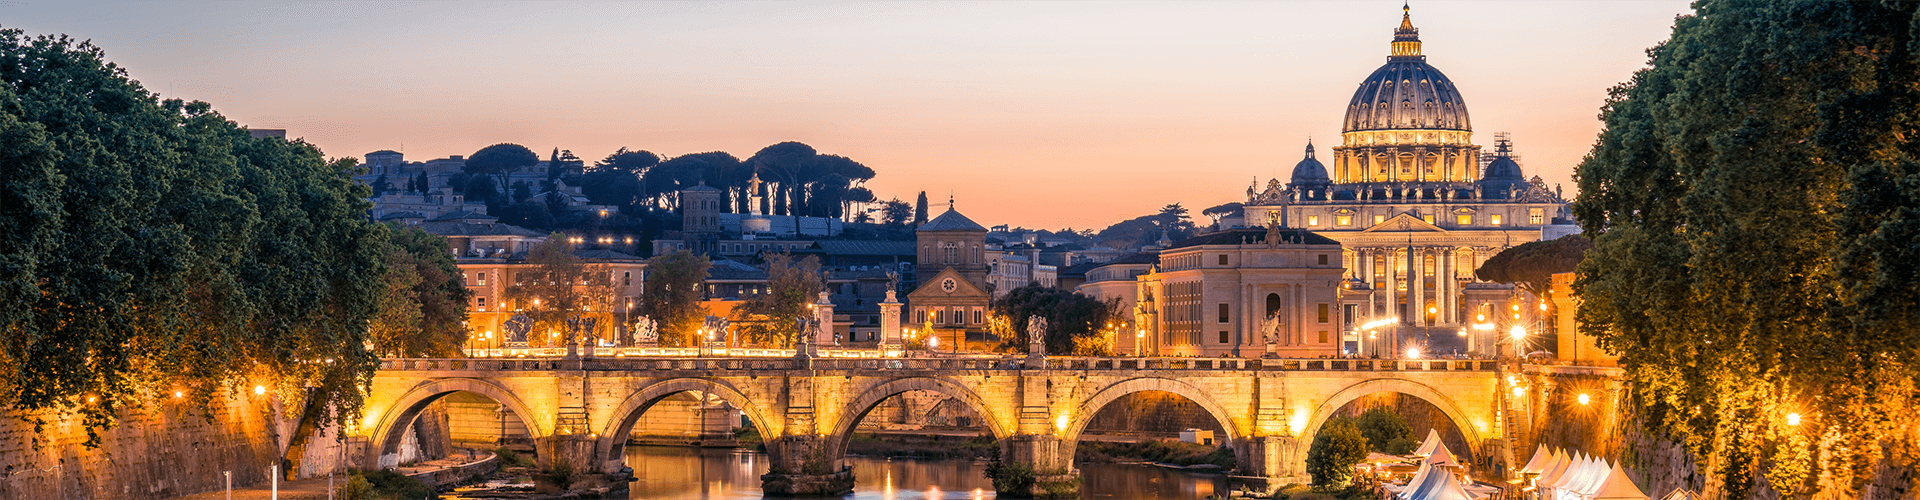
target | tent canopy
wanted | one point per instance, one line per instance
(1618, 487)
(1427, 446)
(1442, 456)
(1440, 485)
(1541, 460)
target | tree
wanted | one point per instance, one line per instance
(1334, 451)
(154, 246)
(1386, 430)
(1223, 211)
(424, 308)
(672, 294)
(529, 214)
(896, 212)
(920, 210)
(1752, 203)
(498, 161)
(565, 296)
(768, 319)
(1069, 316)
(1531, 265)
(423, 182)
(631, 162)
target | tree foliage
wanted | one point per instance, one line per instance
(1069, 316)
(1754, 203)
(560, 292)
(768, 319)
(672, 295)
(150, 246)
(1531, 265)
(495, 163)
(1334, 451)
(424, 309)
(1386, 430)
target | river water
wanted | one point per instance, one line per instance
(667, 473)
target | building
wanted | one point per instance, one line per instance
(952, 269)
(1405, 191)
(1239, 292)
(490, 256)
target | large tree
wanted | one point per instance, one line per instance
(1754, 203)
(1531, 265)
(672, 295)
(768, 319)
(424, 310)
(567, 297)
(1335, 450)
(150, 246)
(1069, 315)
(498, 161)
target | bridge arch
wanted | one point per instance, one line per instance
(1001, 424)
(613, 438)
(1447, 405)
(395, 418)
(1083, 416)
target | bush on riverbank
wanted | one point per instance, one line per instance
(510, 458)
(385, 484)
(921, 446)
(1165, 451)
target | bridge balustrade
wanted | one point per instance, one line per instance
(966, 363)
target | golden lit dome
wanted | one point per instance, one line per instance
(1406, 93)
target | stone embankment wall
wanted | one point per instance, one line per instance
(166, 451)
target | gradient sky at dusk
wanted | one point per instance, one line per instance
(1045, 115)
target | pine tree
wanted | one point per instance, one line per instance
(920, 210)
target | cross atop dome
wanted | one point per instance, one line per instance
(1406, 38)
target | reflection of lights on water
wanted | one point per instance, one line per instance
(934, 492)
(978, 494)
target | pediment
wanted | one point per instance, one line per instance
(1404, 222)
(937, 287)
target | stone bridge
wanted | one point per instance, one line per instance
(582, 410)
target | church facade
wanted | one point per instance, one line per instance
(1412, 207)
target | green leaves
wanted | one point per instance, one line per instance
(1753, 204)
(1334, 451)
(672, 295)
(152, 246)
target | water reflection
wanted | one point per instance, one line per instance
(666, 473)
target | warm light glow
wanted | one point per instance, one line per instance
(1584, 399)
(1543, 306)
(178, 394)
(1519, 391)
(1298, 423)
(1413, 353)
(1379, 323)
(1517, 333)
(1432, 310)
(1480, 317)
(1060, 422)
(259, 389)
(1483, 326)
(1516, 307)
(1793, 419)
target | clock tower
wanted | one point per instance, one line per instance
(952, 269)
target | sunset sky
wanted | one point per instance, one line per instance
(1045, 115)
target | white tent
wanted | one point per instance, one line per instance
(1617, 486)
(1442, 456)
(1596, 474)
(1426, 447)
(1439, 485)
(1679, 494)
(1560, 467)
(1419, 476)
(1574, 469)
(1541, 460)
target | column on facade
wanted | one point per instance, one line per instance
(1417, 284)
(1443, 276)
(1392, 286)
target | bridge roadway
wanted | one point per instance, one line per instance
(582, 410)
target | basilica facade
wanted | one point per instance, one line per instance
(1416, 207)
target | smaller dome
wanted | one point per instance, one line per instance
(1503, 173)
(1503, 169)
(1309, 170)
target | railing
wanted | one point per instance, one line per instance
(851, 360)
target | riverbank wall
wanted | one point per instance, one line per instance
(166, 450)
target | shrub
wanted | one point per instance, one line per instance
(560, 475)
(1382, 425)
(510, 458)
(1335, 450)
(357, 488)
(391, 484)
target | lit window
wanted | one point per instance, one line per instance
(1313, 220)
(1377, 219)
(1465, 220)
(1427, 218)
(481, 279)
(1344, 220)
(1536, 216)
(1323, 319)
(1496, 219)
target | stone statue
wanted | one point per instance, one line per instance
(893, 280)
(645, 332)
(717, 328)
(1036, 336)
(1270, 330)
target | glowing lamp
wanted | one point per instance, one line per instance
(259, 389)
(1517, 333)
(1793, 419)
(1519, 391)
(1584, 399)
(1060, 422)
(178, 394)
(1413, 353)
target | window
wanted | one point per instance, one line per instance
(1344, 220)
(481, 279)
(1536, 216)
(976, 316)
(1323, 259)
(959, 317)
(919, 315)
(1223, 313)
(1496, 219)
(1428, 218)
(626, 278)
(1313, 220)
(483, 303)
(1223, 259)
(1323, 336)
(1464, 219)
(1323, 319)
(1223, 336)
(1378, 219)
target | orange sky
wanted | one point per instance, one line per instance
(1044, 115)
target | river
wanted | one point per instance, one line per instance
(666, 473)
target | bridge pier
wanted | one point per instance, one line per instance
(803, 466)
(1050, 461)
(1268, 462)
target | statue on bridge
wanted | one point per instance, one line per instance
(1270, 331)
(644, 333)
(1036, 336)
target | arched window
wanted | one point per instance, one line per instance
(1273, 303)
